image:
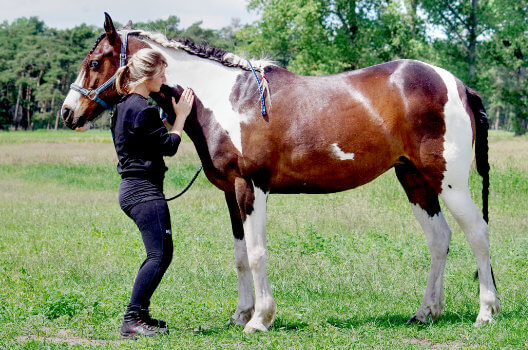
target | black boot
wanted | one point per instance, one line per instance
(133, 326)
(162, 325)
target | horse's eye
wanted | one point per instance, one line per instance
(93, 63)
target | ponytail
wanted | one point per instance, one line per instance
(122, 78)
(143, 65)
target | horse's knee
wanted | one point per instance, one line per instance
(257, 257)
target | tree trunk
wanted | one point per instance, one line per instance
(497, 121)
(28, 109)
(57, 120)
(39, 77)
(472, 42)
(412, 6)
(15, 117)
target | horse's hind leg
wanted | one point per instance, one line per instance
(424, 203)
(458, 199)
(246, 300)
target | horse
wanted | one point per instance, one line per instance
(314, 134)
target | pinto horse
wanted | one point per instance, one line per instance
(318, 135)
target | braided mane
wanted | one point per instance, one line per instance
(211, 53)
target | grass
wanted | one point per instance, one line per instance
(347, 269)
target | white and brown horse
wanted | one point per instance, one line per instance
(321, 135)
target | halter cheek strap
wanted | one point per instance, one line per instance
(94, 94)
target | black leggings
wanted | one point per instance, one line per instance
(153, 220)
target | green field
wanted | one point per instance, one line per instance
(347, 269)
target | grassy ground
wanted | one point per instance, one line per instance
(347, 269)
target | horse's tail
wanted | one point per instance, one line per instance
(481, 144)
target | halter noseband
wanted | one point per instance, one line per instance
(94, 94)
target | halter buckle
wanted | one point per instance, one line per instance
(92, 95)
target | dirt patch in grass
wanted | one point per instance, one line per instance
(64, 336)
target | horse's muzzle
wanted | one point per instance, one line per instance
(67, 116)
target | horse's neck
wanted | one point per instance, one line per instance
(210, 80)
(212, 84)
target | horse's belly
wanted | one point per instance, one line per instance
(326, 179)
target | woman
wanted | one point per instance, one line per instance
(141, 140)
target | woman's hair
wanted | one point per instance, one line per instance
(143, 65)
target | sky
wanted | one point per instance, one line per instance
(62, 14)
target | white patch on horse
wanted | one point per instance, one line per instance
(211, 81)
(396, 78)
(339, 153)
(255, 235)
(73, 99)
(246, 299)
(458, 147)
(438, 236)
(212, 84)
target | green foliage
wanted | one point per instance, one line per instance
(63, 304)
(39, 65)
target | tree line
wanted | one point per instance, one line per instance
(483, 42)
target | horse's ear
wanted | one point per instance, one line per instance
(109, 29)
(128, 25)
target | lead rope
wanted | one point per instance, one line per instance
(164, 115)
(188, 186)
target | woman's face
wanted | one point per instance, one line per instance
(154, 84)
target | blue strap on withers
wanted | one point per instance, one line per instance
(262, 102)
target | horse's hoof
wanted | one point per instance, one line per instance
(255, 329)
(250, 330)
(416, 320)
(232, 323)
(483, 320)
(240, 318)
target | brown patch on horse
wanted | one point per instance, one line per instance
(357, 111)
(425, 122)
(417, 188)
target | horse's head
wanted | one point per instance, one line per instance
(94, 91)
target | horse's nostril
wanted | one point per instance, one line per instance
(67, 116)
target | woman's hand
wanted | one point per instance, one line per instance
(182, 110)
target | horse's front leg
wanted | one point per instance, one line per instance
(252, 204)
(246, 301)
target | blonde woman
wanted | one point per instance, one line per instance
(141, 140)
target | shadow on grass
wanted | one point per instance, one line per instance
(210, 330)
(279, 324)
(399, 320)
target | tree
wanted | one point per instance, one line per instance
(507, 51)
(37, 64)
(330, 36)
(463, 25)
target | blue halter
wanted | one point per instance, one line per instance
(94, 94)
